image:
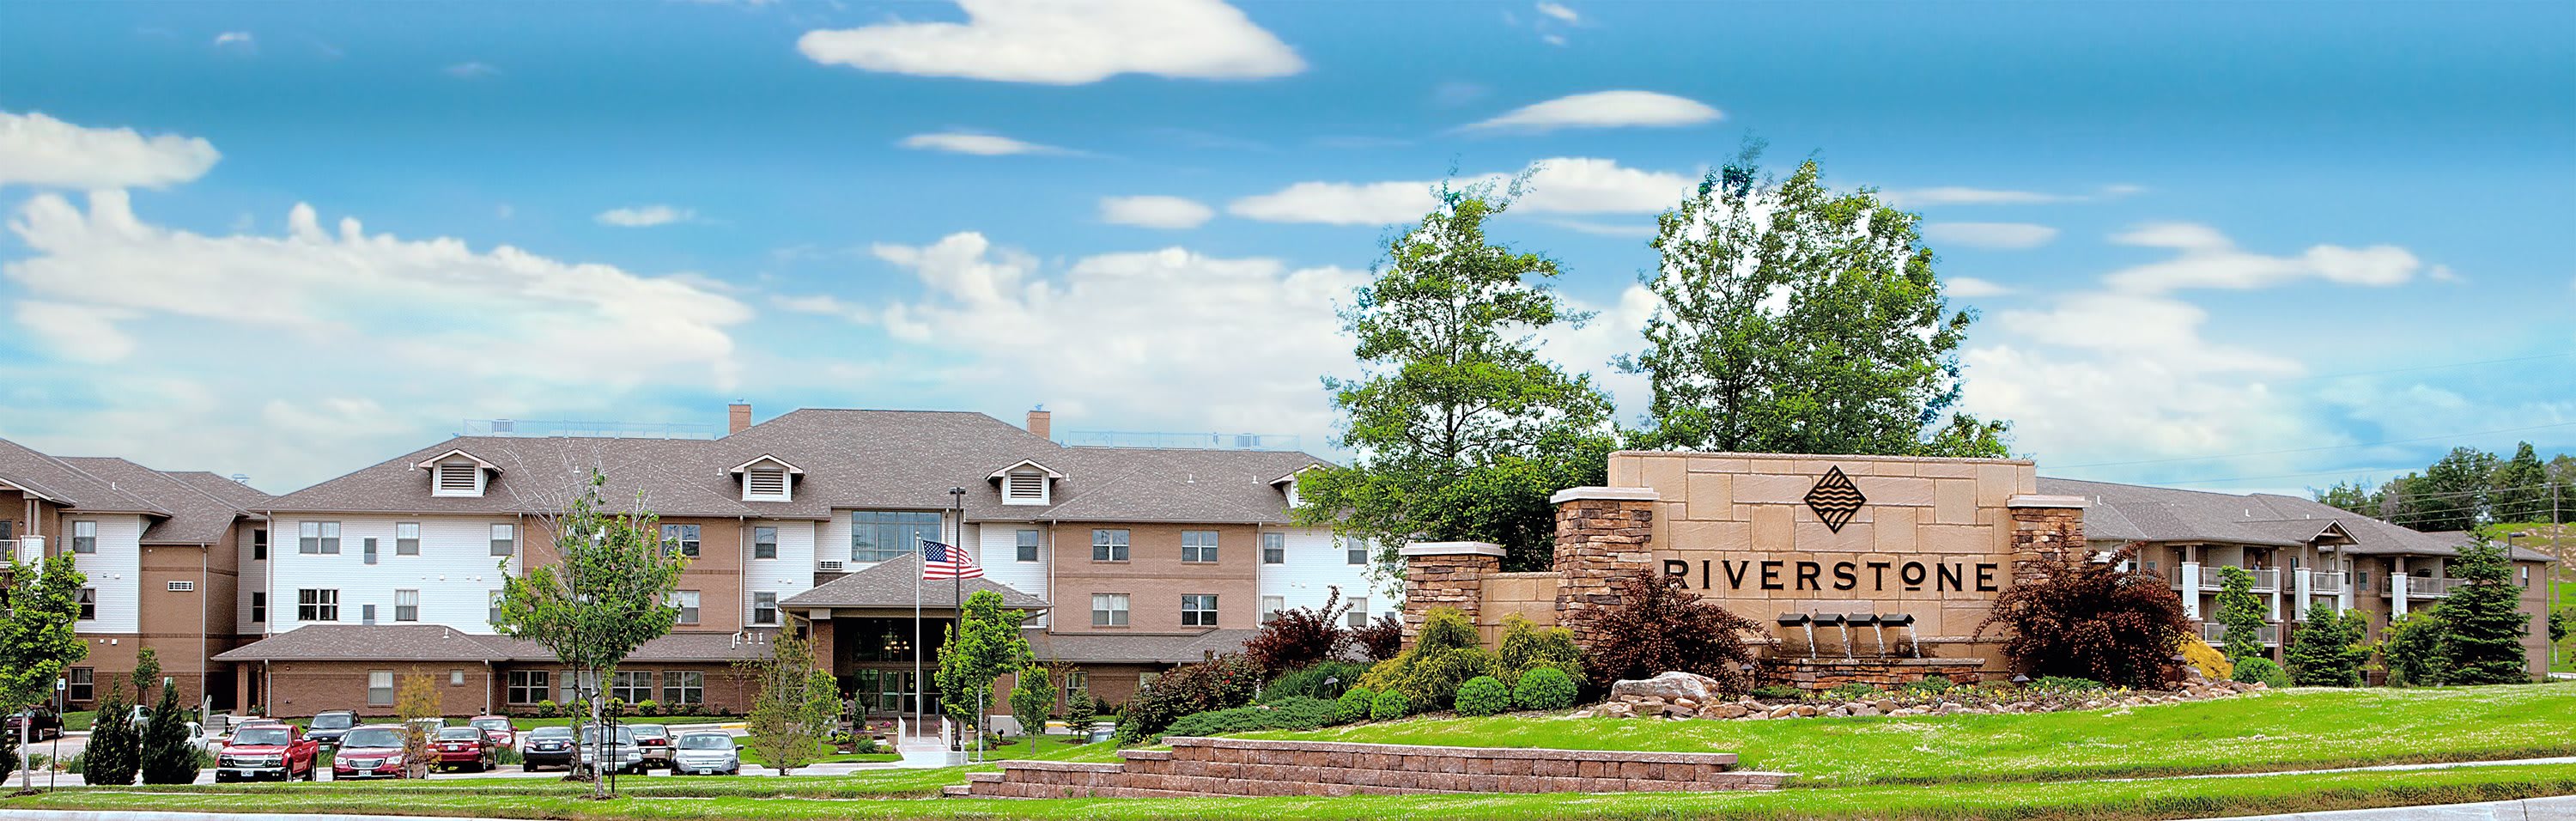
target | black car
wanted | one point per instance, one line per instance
(40, 723)
(330, 726)
(548, 747)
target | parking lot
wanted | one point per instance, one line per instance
(72, 744)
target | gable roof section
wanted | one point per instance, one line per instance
(2156, 514)
(66, 484)
(672, 477)
(1170, 485)
(195, 516)
(895, 582)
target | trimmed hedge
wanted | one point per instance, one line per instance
(1483, 696)
(1294, 713)
(1353, 706)
(1389, 706)
(2253, 669)
(1308, 682)
(1544, 688)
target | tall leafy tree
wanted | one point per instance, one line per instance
(2354, 496)
(2451, 494)
(1460, 426)
(2519, 490)
(2242, 613)
(1798, 319)
(2484, 621)
(984, 643)
(37, 642)
(2411, 650)
(608, 593)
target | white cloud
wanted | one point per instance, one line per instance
(823, 305)
(1606, 229)
(2005, 235)
(2208, 259)
(1604, 109)
(472, 70)
(967, 142)
(42, 151)
(645, 216)
(1560, 185)
(1559, 12)
(1110, 337)
(1065, 42)
(1155, 212)
(80, 333)
(1960, 195)
(1971, 288)
(1557, 40)
(237, 40)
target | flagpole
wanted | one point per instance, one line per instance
(957, 594)
(916, 638)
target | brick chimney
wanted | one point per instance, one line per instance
(1039, 425)
(737, 418)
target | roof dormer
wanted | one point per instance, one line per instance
(458, 474)
(768, 479)
(1287, 485)
(1027, 483)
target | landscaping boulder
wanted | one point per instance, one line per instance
(1672, 686)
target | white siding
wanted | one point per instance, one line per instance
(115, 571)
(1000, 550)
(455, 571)
(789, 574)
(1316, 562)
(832, 540)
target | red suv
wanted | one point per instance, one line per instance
(268, 750)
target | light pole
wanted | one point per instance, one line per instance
(957, 601)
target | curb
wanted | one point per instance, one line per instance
(2555, 808)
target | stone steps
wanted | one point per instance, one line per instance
(1204, 767)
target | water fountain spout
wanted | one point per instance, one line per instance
(1835, 620)
(1906, 621)
(1850, 650)
(1801, 620)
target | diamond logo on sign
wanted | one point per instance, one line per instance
(1835, 499)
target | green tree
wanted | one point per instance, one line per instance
(984, 643)
(114, 754)
(2519, 490)
(417, 701)
(168, 756)
(1456, 393)
(147, 672)
(2560, 620)
(37, 640)
(609, 593)
(2484, 620)
(1080, 715)
(2354, 496)
(1797, 319)
(1033, 701)
(2451, 494)
(2242, 613)
(2328, 650)
(2411, 650)
(782, 728)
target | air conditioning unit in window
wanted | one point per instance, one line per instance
(828, 566)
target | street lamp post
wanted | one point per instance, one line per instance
(957, 600)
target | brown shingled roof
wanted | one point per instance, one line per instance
(891, 584)
(195, 516)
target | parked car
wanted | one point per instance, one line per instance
(465, 747)
(620, 754)
(655, 741)
(548, 747)
(268, 750)
(375, 751)
(708, 753)
(428, 727)
(328, 726)
(42, 723)
(497, 730)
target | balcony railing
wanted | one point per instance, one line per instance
(2321, 583)
(2214, 633)
(2421, 587)
(2212, 580)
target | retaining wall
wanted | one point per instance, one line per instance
(1203, 767)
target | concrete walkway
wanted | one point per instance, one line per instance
(2559, 808)
(2447, 765)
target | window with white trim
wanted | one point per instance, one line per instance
(1025, 487)
(259, 606)
(380, 688)
(528, 686)
(1358, 616)
(764, 542)
(683, 687)
(317, 538)
(767, 483)
(1109, 610)
(88, 604)
(84, 537)
(406, 605)
(457, 477)
(505, 539)
(1270, 607)
(1274, 548)
(1359, 552)
(631, 686)
(1108, 545)
(1198, 546)
(1026, 549)
(764, 608)
(495, 616)
(683, 538)
(687, 601)
(406, 538)
(1198, 610)
(317, 605)
(1077, 684)
(259, 544)
(84, 684)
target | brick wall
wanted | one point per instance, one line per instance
(1196, 767)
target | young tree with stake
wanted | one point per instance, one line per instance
(37, 640)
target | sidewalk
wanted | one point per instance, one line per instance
(2557, 808)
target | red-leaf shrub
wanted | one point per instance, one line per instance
(1381, 640)
(1299, 638)
(1659, 627)
(1228, 681)
(2086, 619)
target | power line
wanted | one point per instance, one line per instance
(2319, 448)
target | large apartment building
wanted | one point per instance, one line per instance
(1135, 558)
(160, 552)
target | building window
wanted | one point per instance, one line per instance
(1028, 546)
(2361, 578)
(317, 605)
(687, 601)
(576, 684)
(380, 688)
(1145, 680)
(764, 608)
(84, 537)
(406, 538)
(764, 542)
(1274, 548)
(318, 538)
(527, 686)
(878, 535)
(259, 544)
(368, 548)
(1024, 488)
(1109, 610)
(1358, 616)
(1198, 610)
(505, 539)
(683, 538)
(1359, 553)
(1198, 546)
(88, 603)
(259, 606)
(632, 686)
(1270, 607)
(83, 685)
(497, 596)
(683, 687)
(406, 605)
(2525, 577)
(1108, 545)
(1077, 684)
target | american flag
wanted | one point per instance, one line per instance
(939, 561)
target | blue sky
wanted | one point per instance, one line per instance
(2229, 245)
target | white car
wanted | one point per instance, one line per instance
(710, 753)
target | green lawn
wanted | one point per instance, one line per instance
(750, 757)
(2289, 730)
(2095, 801)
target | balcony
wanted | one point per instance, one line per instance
(2423, 587)
(2266, 580)
(2214, 633)
(2321, 583)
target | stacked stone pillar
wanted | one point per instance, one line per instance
(1603, 536)
(1446, 574)
(2044, 528)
